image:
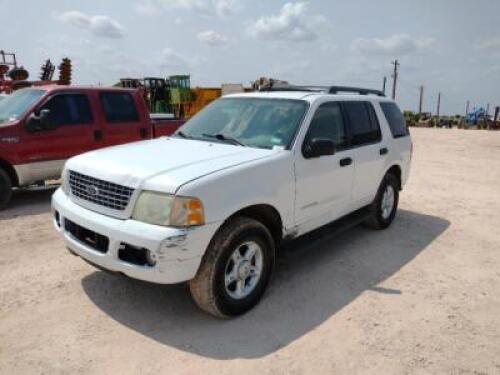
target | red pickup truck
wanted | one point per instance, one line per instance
(41, 127)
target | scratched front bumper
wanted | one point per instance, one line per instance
(179, 251)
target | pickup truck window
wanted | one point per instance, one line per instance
(255, 122)
(395, 118)
(68, 109)
(15, 105)
(119, 107)
(363, 126)
(328, 122)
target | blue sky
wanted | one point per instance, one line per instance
(452, 46)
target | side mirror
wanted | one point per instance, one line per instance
(44, 118)
(317, 147)
(36, 123)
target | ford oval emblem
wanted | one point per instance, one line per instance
(92, 190)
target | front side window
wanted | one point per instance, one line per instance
(363, 124)
(254, 122)
(395, 118)
(13, 106)
(328, 123)
(119, 107)
(68, 109)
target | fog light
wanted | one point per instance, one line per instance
(151, 258)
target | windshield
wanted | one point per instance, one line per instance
(14, 106)
(254, 122)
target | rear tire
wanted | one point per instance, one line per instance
(5, 189)
(230, 281)
(384, 207)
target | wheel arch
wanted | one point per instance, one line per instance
(267, 215)
(396, 171)
(11, 172)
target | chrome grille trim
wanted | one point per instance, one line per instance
(107, 194)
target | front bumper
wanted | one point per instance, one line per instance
(178, 250)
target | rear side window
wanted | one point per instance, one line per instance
(328, 122)
(119, 107)
(395, 119)
(68, 109)
(363, 124)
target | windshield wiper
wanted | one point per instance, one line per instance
(183, 135)
(227, 138)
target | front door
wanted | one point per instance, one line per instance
(323, 185)
(71, 132)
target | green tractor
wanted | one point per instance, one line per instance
(181, 96)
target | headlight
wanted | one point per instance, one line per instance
(168, 210)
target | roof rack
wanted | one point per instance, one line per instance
(360, 91)
(324, 89)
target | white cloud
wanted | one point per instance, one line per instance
(172, 60)
(225, 7)
(219, 8)
(491, 43)
(147, 7)
(103, 26)
(395, 45)
(212, 38)
(293, 23)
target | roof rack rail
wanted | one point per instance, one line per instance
(281, 87)
(359, 90)
(324, 89)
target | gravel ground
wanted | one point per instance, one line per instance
(422, 297)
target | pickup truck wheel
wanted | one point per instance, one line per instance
(384, 207)
(235, 270)
(5, 189)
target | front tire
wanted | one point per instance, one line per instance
(384, 207)
(235, 270)
(5, 189)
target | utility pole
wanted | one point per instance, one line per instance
(487, 109)
(438, 105)
(421, 101)
(395, 77)
(384, 84)
(467, 108)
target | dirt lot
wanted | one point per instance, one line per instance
(422, 297)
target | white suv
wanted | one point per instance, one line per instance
(211, 204)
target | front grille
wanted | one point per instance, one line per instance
(92, 239)
(100, 192)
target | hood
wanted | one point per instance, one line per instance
(173, 161)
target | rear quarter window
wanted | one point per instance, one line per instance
(396, 120)
(119, 107)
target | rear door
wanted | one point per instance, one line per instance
(72, 133)
(400, 150)
(323, 185)
(370, 151)
(123, 118)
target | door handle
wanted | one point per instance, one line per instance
(97, 135)
(143, 132)
(345, 162)
(383, 151)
